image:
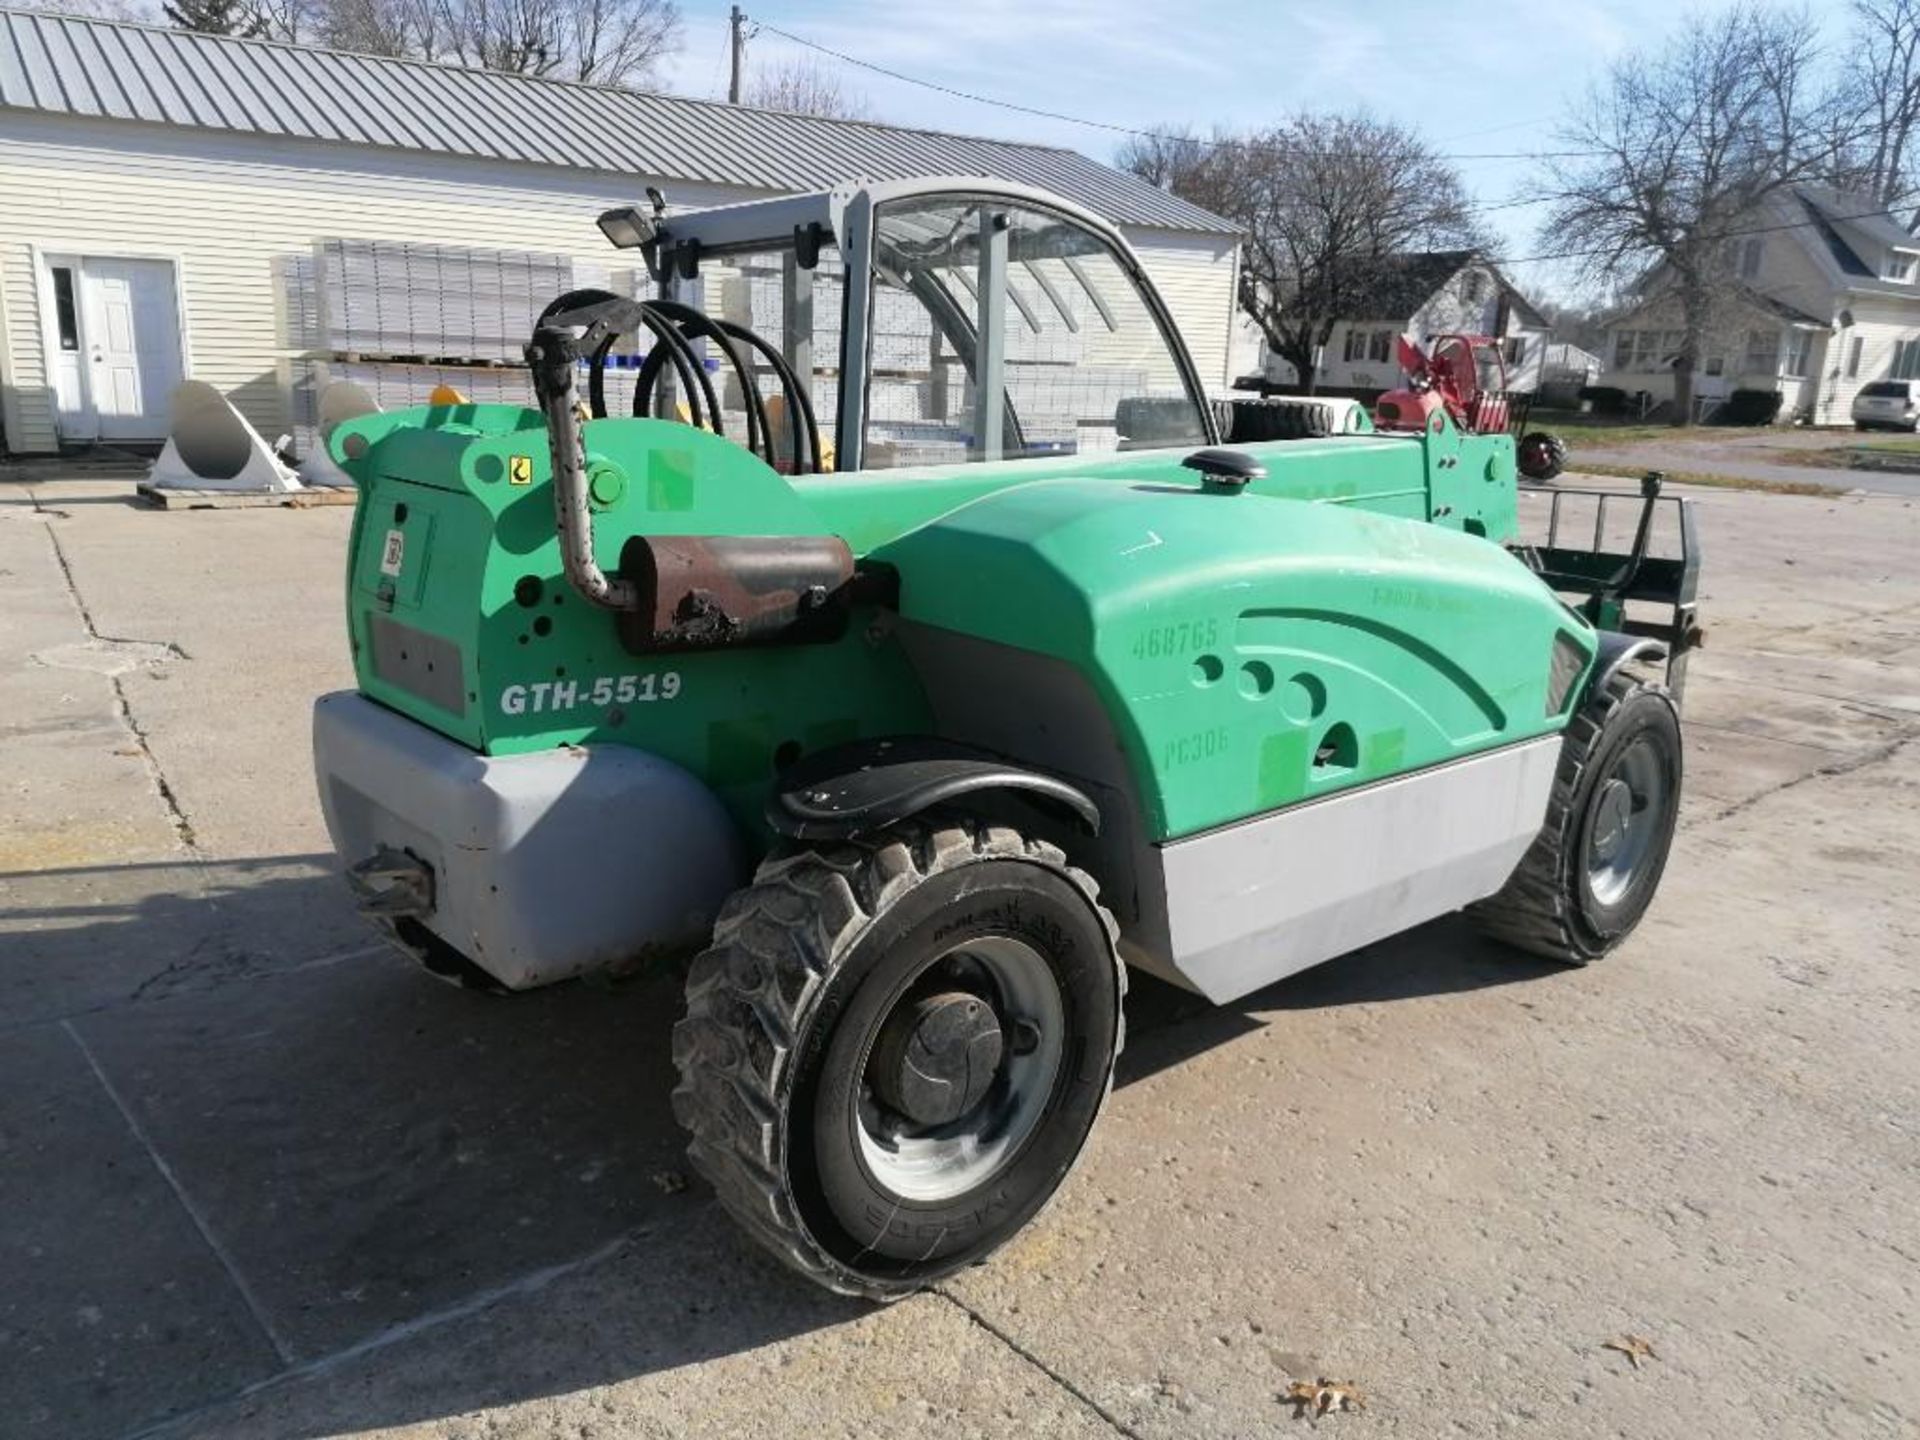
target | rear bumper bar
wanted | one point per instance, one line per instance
(533, 867)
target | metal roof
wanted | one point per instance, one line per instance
(1396, 286)
(68, 65)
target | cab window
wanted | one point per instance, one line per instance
(1005, 332)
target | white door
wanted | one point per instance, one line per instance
(130, 344)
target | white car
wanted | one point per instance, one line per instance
(1887, 402)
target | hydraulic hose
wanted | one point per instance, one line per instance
(695, 324)
(551, 357)
(799, 405)
(601, 318)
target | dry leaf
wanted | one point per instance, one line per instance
(1631, 1346)
(671, 1182)
(1323, 1395)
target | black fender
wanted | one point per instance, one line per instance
(1615, 650)
(865, 785)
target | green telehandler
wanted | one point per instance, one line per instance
(925, 648)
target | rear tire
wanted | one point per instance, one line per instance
(1593, 869)
(896, 1047)
(1541, 455)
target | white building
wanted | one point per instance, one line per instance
(1421, 296)
(1824, 301)
(163, 193)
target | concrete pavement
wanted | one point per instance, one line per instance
(262, 1178)
(1752, 455)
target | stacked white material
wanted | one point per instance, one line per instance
(1071, 408)
(296, 277)
(391, 297)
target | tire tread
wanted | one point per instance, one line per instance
(750, 996)
(1533, 911)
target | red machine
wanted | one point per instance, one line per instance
(1466, 376)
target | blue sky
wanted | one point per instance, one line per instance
(1487, 77)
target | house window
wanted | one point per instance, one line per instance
(65, 319)
(1716, 364)
(1853, 358)
(1516, 350)
(1476, 286)
(1364, 345)
(1899, 267)
(1750, 258)
(1638, 351)
(1763, 353)
(1906, 360)
(1799, 347)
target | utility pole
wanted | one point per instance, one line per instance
(739, 49)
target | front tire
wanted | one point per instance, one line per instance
(1593, 869)
(896, 1047)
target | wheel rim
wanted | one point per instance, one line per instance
(929, 1157)
(1624, 821)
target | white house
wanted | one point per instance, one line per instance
(164, 196)
(1421, 296)
(1824, 300)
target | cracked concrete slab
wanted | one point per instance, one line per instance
(257, 605)
(111, 1307)
(1440, 1172)
(108, 657)
(682, 1334)
(375, 1144)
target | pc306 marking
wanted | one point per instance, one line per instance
(549, 697)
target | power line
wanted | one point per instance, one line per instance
(1128, 129)
(762, 25)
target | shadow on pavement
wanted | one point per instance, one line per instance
(79, 938)
(1167, 1025)
(372, 1147)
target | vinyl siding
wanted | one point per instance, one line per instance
(233, 210)
(1195, 275)
(1878, 325)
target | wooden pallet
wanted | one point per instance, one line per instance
(169, 497)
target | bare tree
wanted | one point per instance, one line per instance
(805, 87)
(619, 41)
(612, 42)
(1881, 94)
(1172, 158)
(373, 27)
(1682, 148)
(1323, 201)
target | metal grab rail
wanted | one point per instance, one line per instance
(1607, 581)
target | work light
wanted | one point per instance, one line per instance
(627, 227)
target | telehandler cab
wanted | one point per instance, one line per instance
(958, 654)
